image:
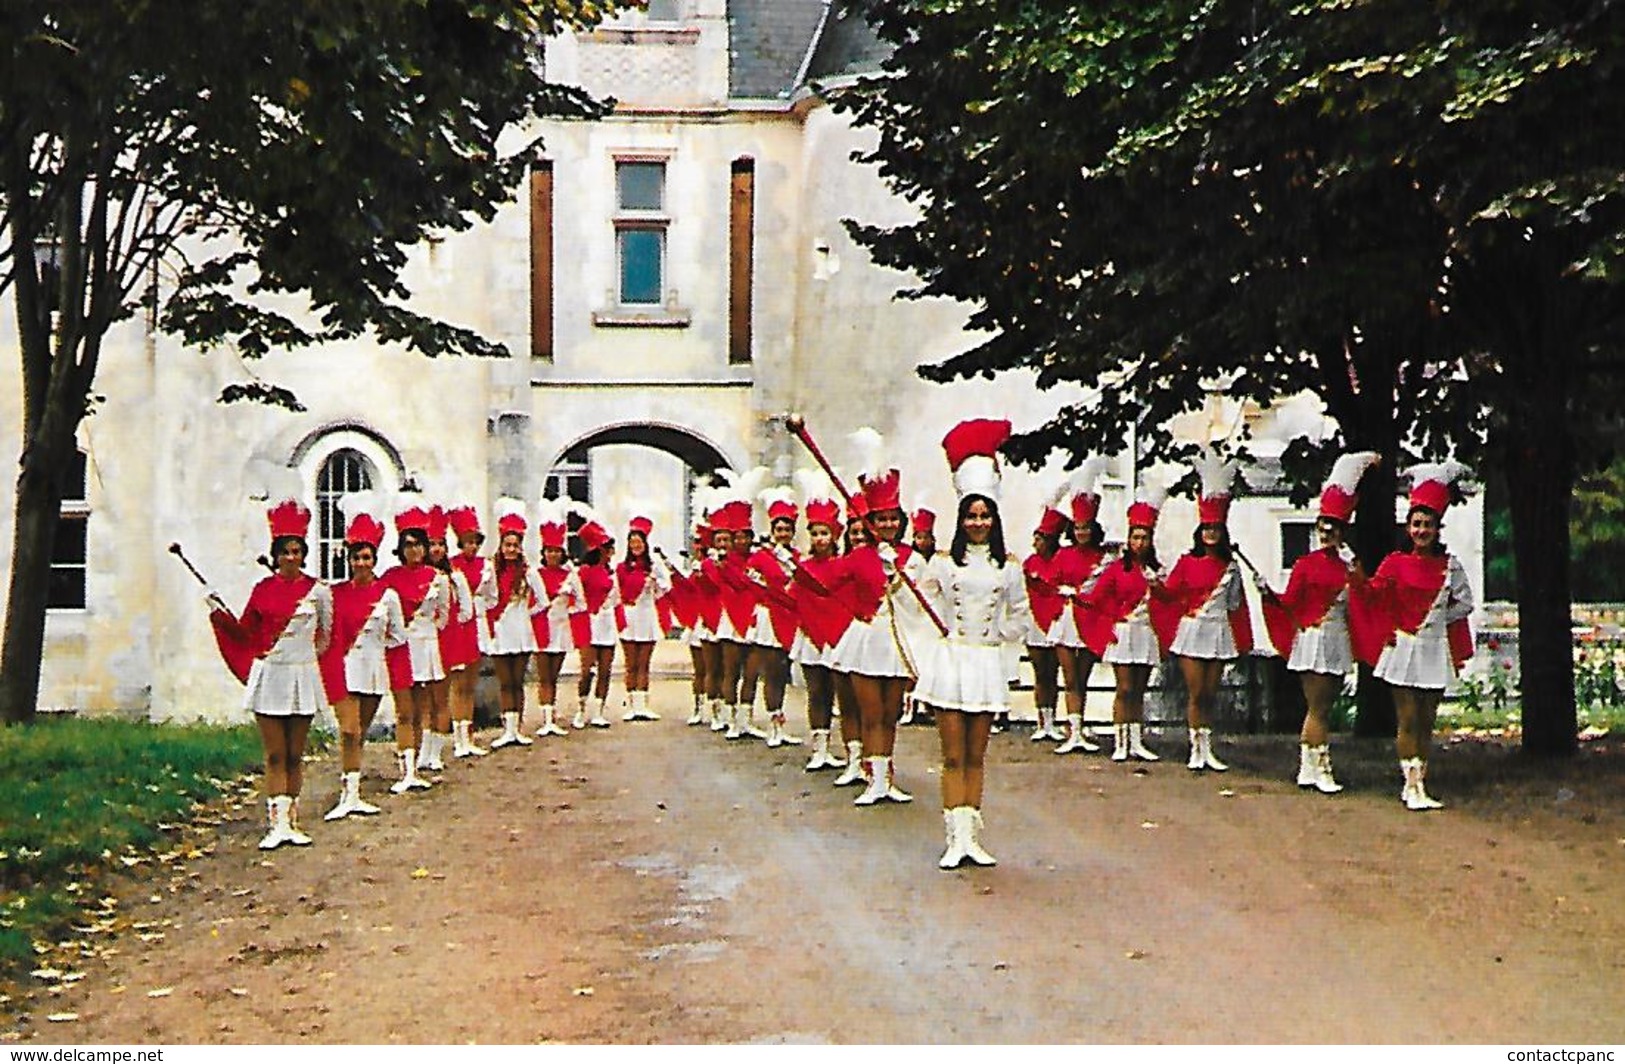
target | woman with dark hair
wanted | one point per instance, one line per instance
(1409, 622)
(978, 592)
(1119, 630)
(366, 621)
(466, 636)
(1047, 610)
(708, 583)
(593, 624)
(774, 627)
(560, 595)
(688, 598)
(641, 578)
(1211, 627)
(417, 677)
(846, 702)
(511, 595)
(1079, 571)
(273, 648)
(457, 643)
(876, 650)
(821, 619)
(1309, 622)
(737, 592)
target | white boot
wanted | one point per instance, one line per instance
(1077, 738)
(1205, 735)
(343, 807)
(470, 747)
(1194, 761)
(549, 725)
(510, 724)
(273, 817)
(598, 720)
(437, 749)
(879, 781)
(1416, 774)
(907, 716)
(1135, 746)
(1053, 731)
(954, 855)
(519, 735)
(358, 804)
(579, 721)
(697, 716)
(642, 703)
(779, 724)
(408, 763)
(972, 831)
(1120, 749)
(458, 749)
(735, 713)
(1307, 773)
(1041, 729)
(1325, 782)
(631, 712)
(719, 715)
(820, 751)
(290, 807)
(854, 765)
(425, 744)
(747, 723)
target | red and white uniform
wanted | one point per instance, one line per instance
(460, 644)
(1212, 620)
(1309, 622)
(425, 596)
(473, 571)
(736, 597)
(876, 643)
(1410, 620)
(1119, 628)
(775, 622)
(638, 591)
(592, 622)
(366, 622)
(272, 646)
(822, 614)
(509, 596)
(561, 594)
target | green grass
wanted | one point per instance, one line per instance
(77, 794)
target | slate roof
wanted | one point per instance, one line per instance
(770, 39)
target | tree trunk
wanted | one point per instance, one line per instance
(1373, 539)
(1540, 475)
(39, 501)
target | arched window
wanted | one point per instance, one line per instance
(343, 471)
(69, 548)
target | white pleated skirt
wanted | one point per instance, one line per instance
(1324, 648)
(1206, 637)
(872, 649)
(963, 676)
(284, 689)
(513, 633)
(1417, 661)
(805, 652)
(1135, 644)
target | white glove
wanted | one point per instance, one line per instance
(782, 553)
(212, 599)
(1346, 553)
(1066, 591)
(1261, 584)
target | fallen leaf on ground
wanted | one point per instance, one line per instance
(62, 1017)
(1135, 954)
(420, 873)
(162, 991)
(1148, 824)
(583, 991)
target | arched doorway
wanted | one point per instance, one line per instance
(637, 464)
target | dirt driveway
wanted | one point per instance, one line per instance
(654, 883)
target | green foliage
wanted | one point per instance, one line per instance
(1596, 537)
(78, 794)
(1413, 210)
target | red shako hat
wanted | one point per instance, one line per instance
(1433, 485)
(364, 528)
(1340, 494)
(464, 521)
(412, 517)
(511, 517)
(923, 520)
(972, 450)
(553, 523)
(288, 518)
(1084, 486)
(881, 482)
(1216, 474)
(1148, 500)
(437, 523)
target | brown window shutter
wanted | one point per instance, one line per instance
(541, 261)
(741, 235)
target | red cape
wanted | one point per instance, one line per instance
(243, 640)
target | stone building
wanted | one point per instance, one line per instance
(672, 281)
